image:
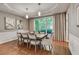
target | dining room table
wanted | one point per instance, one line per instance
(41, 36)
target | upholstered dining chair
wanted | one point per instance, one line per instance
(42, 32)
(19, 38)
(25, 38)
(33, 40)
(47, 42)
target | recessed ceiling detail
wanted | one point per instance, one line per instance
(33, 8)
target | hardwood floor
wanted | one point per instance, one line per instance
(61, 48)
(11, 48)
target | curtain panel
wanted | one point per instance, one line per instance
(60, 26)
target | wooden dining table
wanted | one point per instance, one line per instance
(41, 36)
(38, 35)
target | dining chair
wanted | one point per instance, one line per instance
(19, 38)
(47, 42)
(25, 38)
(42, 32)
(33, 40)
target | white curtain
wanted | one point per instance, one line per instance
(60, 26)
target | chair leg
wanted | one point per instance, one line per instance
(27, 43)
(49, 48)
(52, 50)
(41, 47)
(21, 41)
(18, 41)
(30, 45)
(35, 48)
(44, 47)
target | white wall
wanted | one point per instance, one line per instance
(2, 15)
(73, 29)
(31, 25)
(8, 35)
(74, 44)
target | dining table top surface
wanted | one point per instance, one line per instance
(39, 35)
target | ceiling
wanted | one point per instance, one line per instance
(33, 8)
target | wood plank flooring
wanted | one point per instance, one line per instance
(11, 48)
(61, 48)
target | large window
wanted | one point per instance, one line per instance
(44, 24)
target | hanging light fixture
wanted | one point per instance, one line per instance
(39, 13)
(27, 14)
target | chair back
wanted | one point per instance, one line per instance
(24, 34)
(49, 39)
(42, 32)
(32, 36)
(19, 35)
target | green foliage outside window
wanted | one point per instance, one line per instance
(40, 24)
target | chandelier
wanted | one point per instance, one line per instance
(39, 13)
(27, 14)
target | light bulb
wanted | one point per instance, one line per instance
(27, 16)
(39, 13)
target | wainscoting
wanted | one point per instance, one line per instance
(7, 36)
(74, 44)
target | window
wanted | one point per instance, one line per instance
(44, 24)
